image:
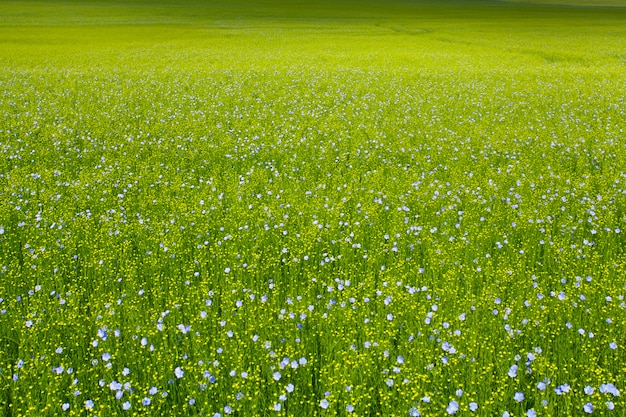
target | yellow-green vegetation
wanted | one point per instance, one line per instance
(312, 208)
(575, 3)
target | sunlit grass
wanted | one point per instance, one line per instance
(574, 3)
(311, 210)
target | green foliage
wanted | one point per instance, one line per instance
(298, 208)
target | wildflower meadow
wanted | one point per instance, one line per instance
(349, 208)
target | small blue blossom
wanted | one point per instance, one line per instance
(562, 389)
(414, 412)
(610, 389)
(452, 407)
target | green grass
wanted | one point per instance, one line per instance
(575, 3)
(344, 203)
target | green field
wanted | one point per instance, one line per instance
(573, 3)
(312, 208)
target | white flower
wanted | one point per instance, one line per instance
(179, 372)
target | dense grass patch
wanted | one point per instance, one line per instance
(298, 209)
(575, 3)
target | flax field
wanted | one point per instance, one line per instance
(306, 208)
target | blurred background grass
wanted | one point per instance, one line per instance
(418, 36)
